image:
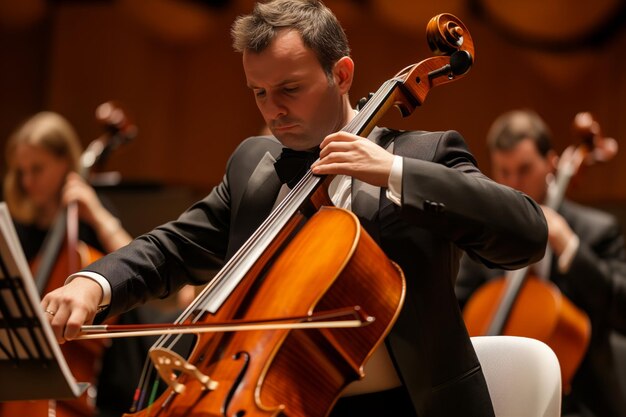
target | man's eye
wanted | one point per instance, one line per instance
(291, 89)
(259, 93)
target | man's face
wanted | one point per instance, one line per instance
(523, 168)
(300, 105)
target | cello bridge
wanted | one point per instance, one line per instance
(169, 364)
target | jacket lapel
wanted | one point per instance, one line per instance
(258, 198)
(366, 197)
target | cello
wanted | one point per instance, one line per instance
(522, 304)
(62, 253)
(293, 371)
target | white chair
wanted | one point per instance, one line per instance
(523, 376)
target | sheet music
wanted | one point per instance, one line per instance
(29, 351)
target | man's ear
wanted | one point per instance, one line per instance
(343, 74)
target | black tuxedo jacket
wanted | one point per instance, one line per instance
(596, 283)
(447, 206)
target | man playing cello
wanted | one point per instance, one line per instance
(412, 200)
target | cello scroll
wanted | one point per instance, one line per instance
(450, 40)
(119, 129)
(593, 147)
(600, 147)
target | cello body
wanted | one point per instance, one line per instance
(255, 372)
(540, 312)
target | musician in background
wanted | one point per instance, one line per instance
(43, 161)
(411, 199)
(588, 261)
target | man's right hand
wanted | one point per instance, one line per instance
(71, 306)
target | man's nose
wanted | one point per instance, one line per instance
(275, 108)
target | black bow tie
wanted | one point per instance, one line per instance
(292, 165)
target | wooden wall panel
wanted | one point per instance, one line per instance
(192, 107)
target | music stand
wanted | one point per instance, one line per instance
(32, 366)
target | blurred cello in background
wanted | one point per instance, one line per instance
(522, 304)
(62, 254)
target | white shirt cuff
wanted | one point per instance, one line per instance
(566, 258)
(104, 284)
(394, 189)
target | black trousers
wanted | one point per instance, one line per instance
(394, 402)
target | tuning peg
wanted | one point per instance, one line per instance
(361, 103)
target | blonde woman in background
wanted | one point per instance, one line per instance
(43, 161)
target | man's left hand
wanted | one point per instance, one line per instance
(344, 153)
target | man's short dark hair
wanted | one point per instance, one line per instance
(317, 25)
(515, 126)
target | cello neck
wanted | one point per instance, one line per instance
(513, 286)
(50, 251)
(568, 167)
(297, 201)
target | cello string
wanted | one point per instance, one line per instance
(294, 197)
(305, 183)
(285, 206)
